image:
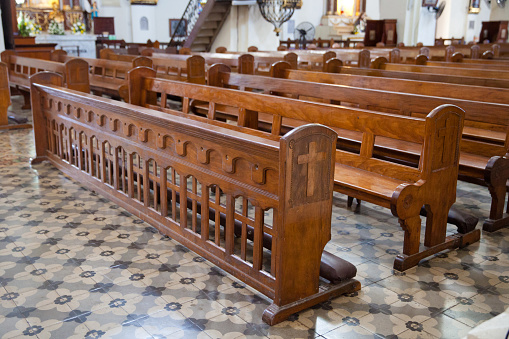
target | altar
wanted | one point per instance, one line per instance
(71, 43)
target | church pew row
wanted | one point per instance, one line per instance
(5, 95)
(485, 66)
(462, 72)
(21, 68)
(175, 69)
(237, 61)
(336, 66)
(141, 159)
(402, 188)
(451, 90)
(484, 145)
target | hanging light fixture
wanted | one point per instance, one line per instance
(277, 12)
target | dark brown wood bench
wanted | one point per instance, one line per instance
(141, 159)
(75, 73)
(404, 189)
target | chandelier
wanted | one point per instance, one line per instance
(277, 12)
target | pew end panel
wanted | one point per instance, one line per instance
(151, 163)
(5, 94)
(40, 136)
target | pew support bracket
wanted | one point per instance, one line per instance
(404, 262)
(274, 314)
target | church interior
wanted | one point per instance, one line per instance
(254, 169)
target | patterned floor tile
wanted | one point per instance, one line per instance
(73, 264)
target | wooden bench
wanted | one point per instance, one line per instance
(149, 162)
(471, 72)
(109, 76)
(336, 66)
(485, 143)
(404, 189)
(75, 73)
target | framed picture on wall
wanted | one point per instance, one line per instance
(475, 6)
(143, 2)
(180, 31)
(429, 3)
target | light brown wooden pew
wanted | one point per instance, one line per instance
(485, 143)
(75, 73)
(470, 72)
(336, 66)
(452, 90)
(404, 189)
(109, 76)
(143, 160)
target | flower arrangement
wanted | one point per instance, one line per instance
(56, 28)
(27, 26)
(78, 28)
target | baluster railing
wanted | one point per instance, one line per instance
(189, 18)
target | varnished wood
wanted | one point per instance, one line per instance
(74, 72)
(259, 170)
(486, 133)
(355, 174)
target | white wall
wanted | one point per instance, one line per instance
(483, 15)
(395, 9)
(122, 17)
(373, 9)
(453, 21)
(247, 27)
(497, 13)
(127, 19)
(2, 42)
(426, 27)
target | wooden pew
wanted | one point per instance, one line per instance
(109, 76)
(404, 189)
(471, 72)
(335, 66)
(452, 90)
(485, 143)
(242, 63)
(143, 160)
(75, 73)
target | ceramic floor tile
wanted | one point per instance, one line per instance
(73, 264)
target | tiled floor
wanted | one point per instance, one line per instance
(75, 265)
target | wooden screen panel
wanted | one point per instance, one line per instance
(104, 24)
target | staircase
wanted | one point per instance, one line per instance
(202, 27)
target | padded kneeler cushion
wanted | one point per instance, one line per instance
(336, 269)
(464, 221)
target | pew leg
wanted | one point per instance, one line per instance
(436, 225)
(349, 204)
(26, 98)
(496, 176)
(436, 242)
(3, 116)
(412, 228)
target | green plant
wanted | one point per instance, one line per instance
(25, 25)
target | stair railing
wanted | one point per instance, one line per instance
(189, 18)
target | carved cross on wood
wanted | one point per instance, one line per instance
(311, 159)
(447, 140)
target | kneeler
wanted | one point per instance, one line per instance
(463, 221)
